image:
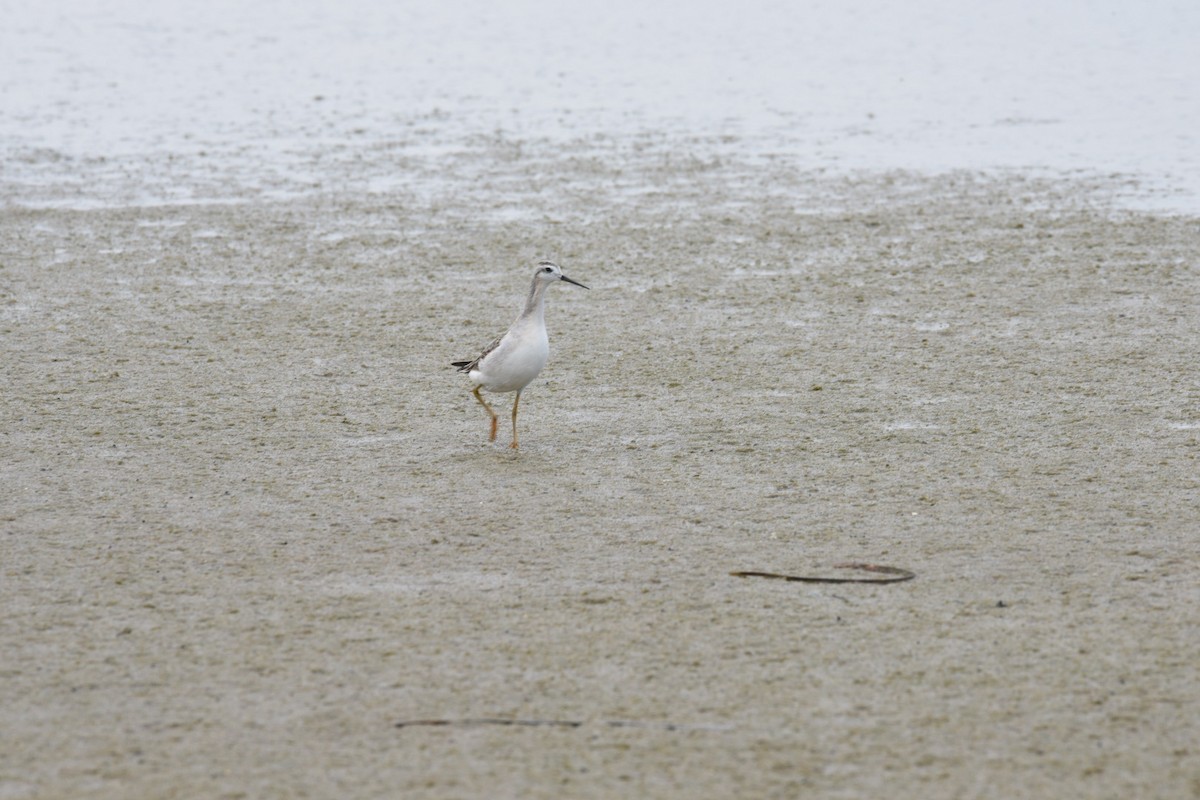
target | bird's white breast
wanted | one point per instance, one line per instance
(515, 362)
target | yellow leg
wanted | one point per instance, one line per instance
(516, 403)
(492, 414)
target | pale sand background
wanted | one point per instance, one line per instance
(250, 521)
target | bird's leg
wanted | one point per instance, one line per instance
(516, 403)
(492, 414)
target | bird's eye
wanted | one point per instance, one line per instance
(547, 269)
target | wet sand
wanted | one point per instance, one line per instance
(251, 521)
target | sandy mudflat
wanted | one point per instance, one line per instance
(251, 522)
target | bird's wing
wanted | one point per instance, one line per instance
(467, 366)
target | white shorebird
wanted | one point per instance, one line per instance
(510, 362)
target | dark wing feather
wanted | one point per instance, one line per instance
(467, 366)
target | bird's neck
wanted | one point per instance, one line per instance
(535, 305)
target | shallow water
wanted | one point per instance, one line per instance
(125, 103)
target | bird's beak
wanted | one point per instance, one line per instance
(577, 283)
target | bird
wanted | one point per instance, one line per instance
(513, 360)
